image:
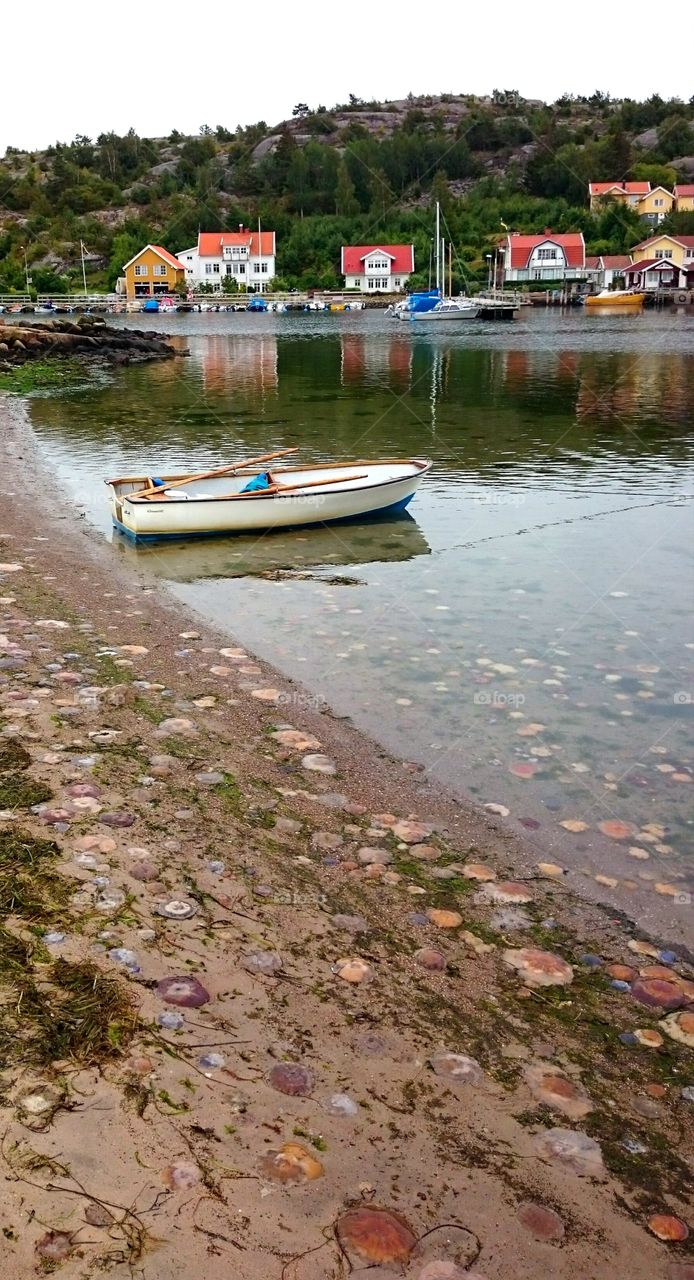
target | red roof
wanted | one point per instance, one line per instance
(571, 244)
(615, 261)
(686, 241)
(163, 253)
(684, 190)
(401, 257)
(211, 243)
(628, 188)
(649, 263)
(593, 263)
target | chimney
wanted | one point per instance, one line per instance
(548, 231)
(240, 226)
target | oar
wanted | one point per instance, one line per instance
(285, 488)
(207, 475)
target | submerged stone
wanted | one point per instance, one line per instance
(457, 1067)
(292, 1163)
(293, 1079)
(185, 991)
(556, 1090)
(657, 993)
(375, 1235)
(541, 1222)
(571, 1150)
(539, 968)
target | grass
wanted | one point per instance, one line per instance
(19, 792)
(30, 887)
(231, 795)
(42, 375)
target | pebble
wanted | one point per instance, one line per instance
(319, 764)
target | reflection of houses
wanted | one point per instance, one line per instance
(246, 257)
(152, 272)
(617, 386)
(373, 359)
(238, 364)
(607, 267)
(544, 257)
(662, 262)
(377, 268)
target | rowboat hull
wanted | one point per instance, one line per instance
(207, 509)
(616, 298)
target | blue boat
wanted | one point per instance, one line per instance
(151, 304)
(257, 304)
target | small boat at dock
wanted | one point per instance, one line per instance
(616, 298)
(243, 499)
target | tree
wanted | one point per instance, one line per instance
(346, 203)
(301, 109)
(675, 137)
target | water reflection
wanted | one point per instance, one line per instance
(526, 635)
(380, 541)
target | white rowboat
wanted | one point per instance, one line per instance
(333, 491)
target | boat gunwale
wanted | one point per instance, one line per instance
(422, 466)
(295, 494)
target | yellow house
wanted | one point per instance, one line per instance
(676, 249)
(152, 272)
(684, 198)
(656, 204)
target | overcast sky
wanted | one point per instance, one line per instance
(79, 67)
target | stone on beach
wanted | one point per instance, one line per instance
(291, 1163)
(556, 1090)
(539, 968)
(375, 1235)
(317, 763)
(177, 726)
(680, 1026)
(570, 1149)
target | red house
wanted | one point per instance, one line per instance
(384, 268)
(544, 257)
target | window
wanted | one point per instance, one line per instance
(689, 253)
(658, 204)
(547, 253)
(229, 269)
(208, 268)
(371, 283)
(141, 271)
(377, 264)
(215, 268)
(396, 282)
(256, 268)
(159, 269)
(663, 253)
(241, 268)
(263, 268)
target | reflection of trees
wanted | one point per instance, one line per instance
(644, 388)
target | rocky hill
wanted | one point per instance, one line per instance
(360, 170)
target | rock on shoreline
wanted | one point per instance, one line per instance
(87, 336)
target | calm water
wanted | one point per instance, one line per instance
(525, 634)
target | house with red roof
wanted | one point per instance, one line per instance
(544, 257)
(684, 197)
(248, 257)
(623, 192)
(606, 267)
(152, 273)
(377, 268)
(662, 262)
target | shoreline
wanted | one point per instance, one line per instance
(362, 756)
(166, 776)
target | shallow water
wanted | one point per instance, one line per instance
(525, 633)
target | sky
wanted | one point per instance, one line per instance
(79, 67)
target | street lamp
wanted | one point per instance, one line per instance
(26, 267)
(489, 271)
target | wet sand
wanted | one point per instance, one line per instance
(293, 844)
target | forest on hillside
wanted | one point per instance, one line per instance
(356, 173)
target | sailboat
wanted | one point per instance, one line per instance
(433, 305)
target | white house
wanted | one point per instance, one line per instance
(384, 268)
(607, 267)
(544, 257)
(247, 256)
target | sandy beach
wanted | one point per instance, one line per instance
(275, 1008)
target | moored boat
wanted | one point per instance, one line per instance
(197, 506)
(616, 298)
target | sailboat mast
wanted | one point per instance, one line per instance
(438, 246)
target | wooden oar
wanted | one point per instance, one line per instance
(285, 488)
(207, 475)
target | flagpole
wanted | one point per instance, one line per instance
(84, 274)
